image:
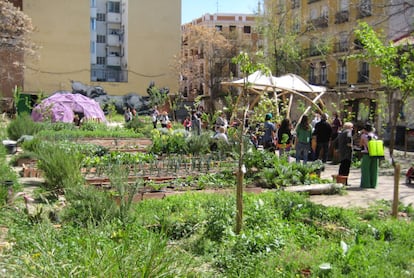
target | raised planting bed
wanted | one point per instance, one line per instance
(120, 144)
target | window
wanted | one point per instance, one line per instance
(295, 4)
(325, 12)
(342, 72)
(312, 77)
(93, 47)
(93, 24)
(100, 60)
(313, 14)
(343, 41)
(100, 39)
(219, 28)
(232, 28)
(323, 73)
(296, 24)
(363, 73)
(364, 8)
(344, 5)
(113, 7)
(247, 29)
(100, 17)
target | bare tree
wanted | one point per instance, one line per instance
(205, 59)
(15, 30)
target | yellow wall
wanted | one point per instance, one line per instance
(63, 35)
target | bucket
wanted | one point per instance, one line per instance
(342, 179)
(11, 146)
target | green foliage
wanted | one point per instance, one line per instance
(268, 170)
(22, 125)
(157, 97)
(168, 141)
(61, 167)
(199, 144)
(136, 124)
(6, 174)
(87, 206)
(284, 234)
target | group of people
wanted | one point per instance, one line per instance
(319, 139)
(163, 118)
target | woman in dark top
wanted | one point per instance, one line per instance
(284, 136)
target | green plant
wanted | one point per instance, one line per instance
(60, 167)
(22, 125)
(136, 124)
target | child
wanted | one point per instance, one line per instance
(187, 123)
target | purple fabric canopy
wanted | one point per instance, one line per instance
(62, 106)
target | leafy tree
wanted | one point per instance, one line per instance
(247, 65)
(397, 66)
(277, 25)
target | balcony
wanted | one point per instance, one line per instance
(341, 17)
(109, 75)
(114, 61)
(113, 17)
(363, 77)
(113, 40)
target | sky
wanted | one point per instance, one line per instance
(192, 9)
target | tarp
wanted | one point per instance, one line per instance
(62, 106)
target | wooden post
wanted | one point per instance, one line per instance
(396, 199)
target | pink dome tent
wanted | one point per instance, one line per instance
(62, 106)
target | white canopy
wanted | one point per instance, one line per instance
(294, 82)
(257, 81)
(289, 82)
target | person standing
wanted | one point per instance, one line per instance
(269, 134)
(164, 119)
(303, 140)
(187, 123)
(284, 136)
(154, 116)
(345, 147)
(127, 115)
(196, 123)
(369, 164)
(336, 128)
(323, 132)
(221, 121)
(316, 119)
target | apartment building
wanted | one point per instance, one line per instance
(238, 29)
(120, 45)
(325, 30)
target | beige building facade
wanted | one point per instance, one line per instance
(120, 45)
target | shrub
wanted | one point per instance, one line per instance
(136, 124)
(60, 167)
(87, 205)
(22, 125)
